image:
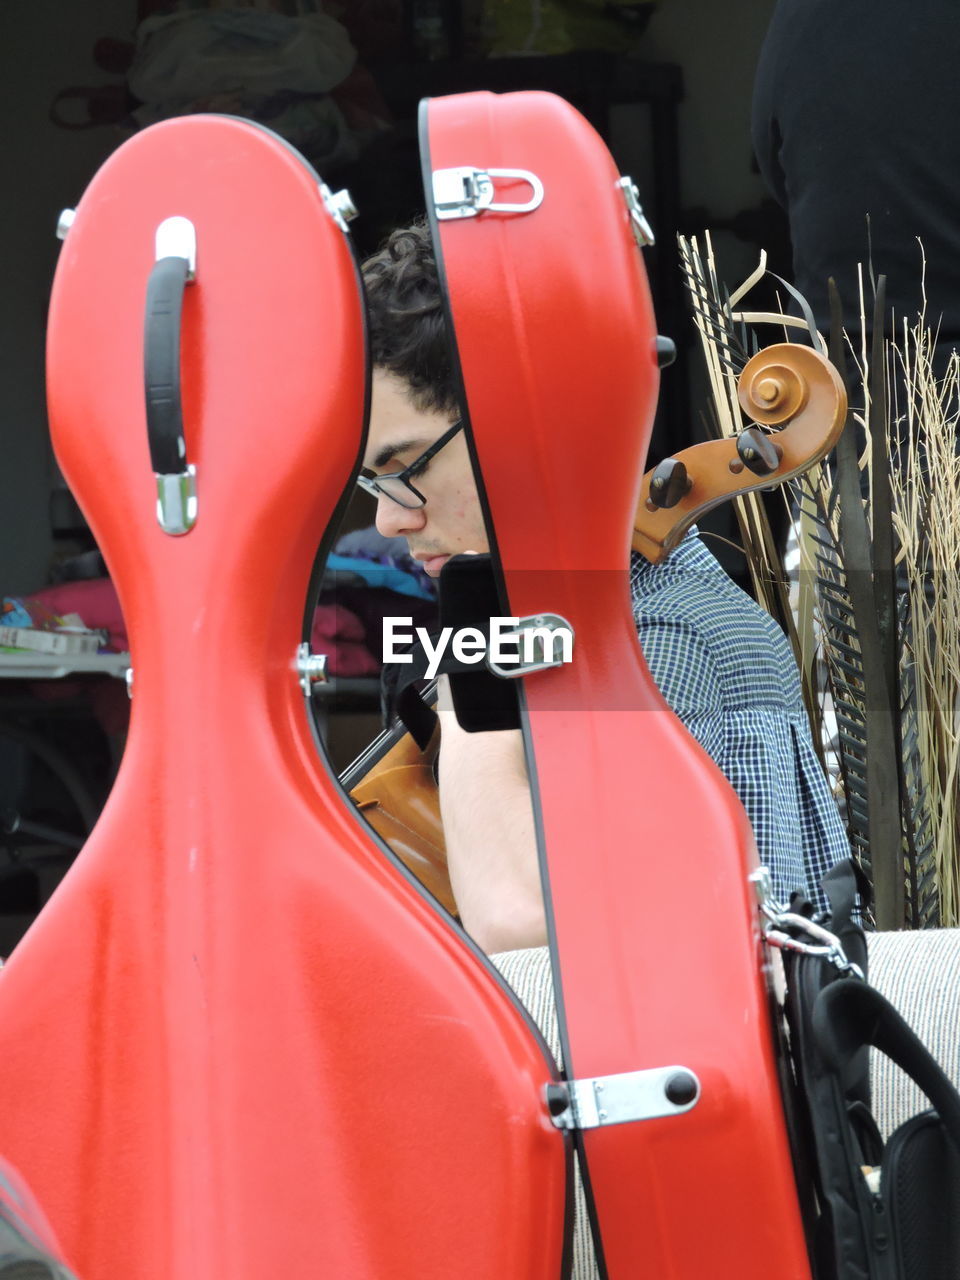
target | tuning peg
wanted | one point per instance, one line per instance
(666, 351)
(757, 452)
(668, 484)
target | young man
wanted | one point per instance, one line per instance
(721, 663)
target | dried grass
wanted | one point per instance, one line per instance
(919, 433)
(925, 480)
(917, 436)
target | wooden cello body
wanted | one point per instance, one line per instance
(239, 1041)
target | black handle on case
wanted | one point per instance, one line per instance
(161, 365)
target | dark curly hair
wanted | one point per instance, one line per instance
(405, 319)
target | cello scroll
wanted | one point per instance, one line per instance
(786, 386)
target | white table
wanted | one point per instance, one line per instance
(27, 665)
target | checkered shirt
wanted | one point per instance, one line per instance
(726, 669)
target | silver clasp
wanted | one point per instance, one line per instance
(65, 222)
(466, 191)
(339, 205)
(821, 942)
(310, 667)
(642, 231)
(532, 635)
(622, 1098)
(177, 501)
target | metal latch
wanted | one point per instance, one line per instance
(465, 191)
(542, 640)
(642, 231)
(619, 1099)
(339, 205)
(790, 931)
(310, 667)
(65, 222)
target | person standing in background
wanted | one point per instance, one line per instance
(856, 116)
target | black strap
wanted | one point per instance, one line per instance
(402, 699)
(843, 884)
(161, 365)
(847, 891)
(470, 684)
(850, 1014)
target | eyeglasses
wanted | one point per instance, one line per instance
(397, 486)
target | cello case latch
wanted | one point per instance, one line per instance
(535, 643)
(622, 1098)
(311, 668)
(465, 191)
(339, 205)
(642, 231)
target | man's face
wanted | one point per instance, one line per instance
(451, 521)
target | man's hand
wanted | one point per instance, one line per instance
(488, 826)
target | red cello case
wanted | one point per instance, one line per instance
(238, 1041)
(645, 848)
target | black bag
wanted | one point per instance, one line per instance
(879, 1211)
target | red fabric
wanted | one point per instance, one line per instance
(340, 634)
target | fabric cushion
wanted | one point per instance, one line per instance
(918, 972)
